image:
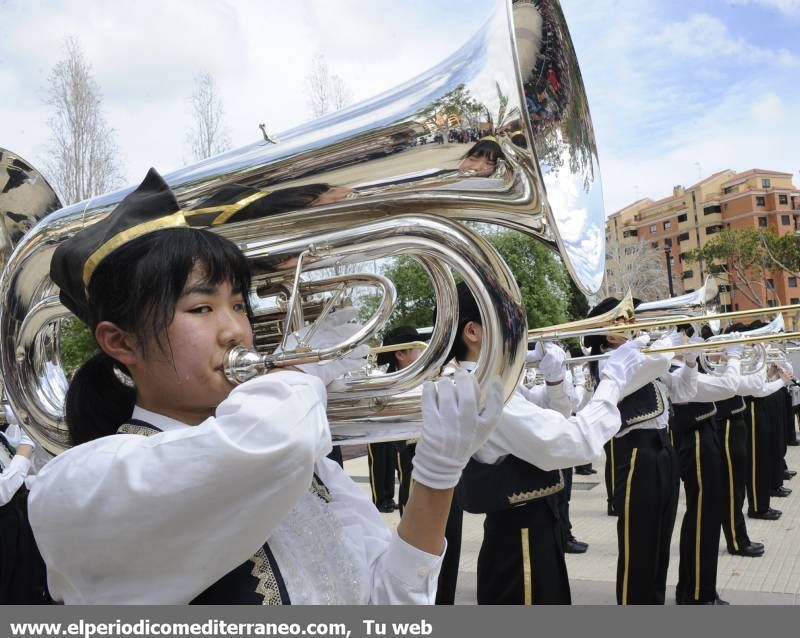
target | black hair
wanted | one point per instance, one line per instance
(735, 327)
(280, 201)
(467, 311)
(686, 328)
(706, 332)
(486, 148)
(137, 288)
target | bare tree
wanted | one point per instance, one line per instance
(82, 155)
(209, 135)
(638, 268)
(326, 91)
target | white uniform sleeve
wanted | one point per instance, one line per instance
(550, 440)
(552, 397)
(718, 387)
(395, 572)
(142, 520)
(13, 477)
(756, 385)
(682, 384)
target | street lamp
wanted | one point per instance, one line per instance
(669, 270)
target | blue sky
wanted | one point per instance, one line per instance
(676, 88)
(684, 88)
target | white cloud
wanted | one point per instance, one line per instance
(145, 55)
(705, 37)
(786, 7)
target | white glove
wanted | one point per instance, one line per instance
(631, 370)
(692, 355)
(735, 350)
(336, 328)
(549, 358)
(787, 369)
(16, 436)
(454, 427)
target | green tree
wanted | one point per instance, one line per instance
(541, 276)
(749, 255)
(77, 344)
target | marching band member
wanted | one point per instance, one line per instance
(574, 385)
(22, 571)
(513, 477)
(183, 489)
(761, 429)
(646, 474)
(700, 458)
(398, 360)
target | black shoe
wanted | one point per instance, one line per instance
(387, 507)
(788, 475)
(781, 492)
(585, 471)
(682, 600)
(574, 546)
(753, 550)
(769, 515)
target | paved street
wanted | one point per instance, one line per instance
(771, 579)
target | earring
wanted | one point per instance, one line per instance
(123, 378)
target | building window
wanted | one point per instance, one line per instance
(681, 257)
(654, 228)
(782, 199)
(683, 237)
(771, 303)
(725, 288)
(654, 244)
(710, 210)
(736, 306)
(687, 274)
(794, 300)
(688, 290)
(718, 268)
(729, 189)
(667, 225)
(770, 284)
(765, 183)
(786, 220)
(760, 201)
(762, 222)
(792, 282)
(668, 242)
(630, 233)
(683, 217)
(711, 230)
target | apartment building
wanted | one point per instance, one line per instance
(689, 217)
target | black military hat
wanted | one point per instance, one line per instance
(401, 334)
(152, 206)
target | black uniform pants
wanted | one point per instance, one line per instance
(700, 458)
(405, 458)
(448, 575)
(610, 473)
(646, 500)
(564, 497)
(521, 561)
(780, 405)
(733, 434)
(381, 458)
(758, 478)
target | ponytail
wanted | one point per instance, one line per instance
(97, 401)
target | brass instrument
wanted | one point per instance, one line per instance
(25, 198)
(357, 186)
